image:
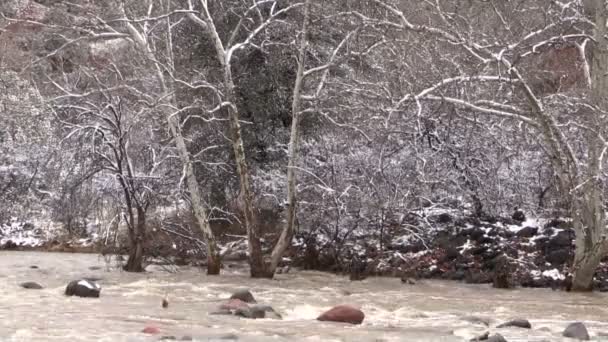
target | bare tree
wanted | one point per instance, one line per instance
(504, 62)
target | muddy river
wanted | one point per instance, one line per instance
(427, 311)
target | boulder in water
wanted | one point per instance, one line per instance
(150, 329)
(31, 285)
(244, 295)
(576, 330)
(83, 288)
(496, 338)
(257, 311)
(518, 323)
(233, 304)
(343, 314)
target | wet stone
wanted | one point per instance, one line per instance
(517, 323)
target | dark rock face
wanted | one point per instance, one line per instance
(559, 257)
(476, 320)
(527, 232)
(576, 330)
(343, 314)
(31, 285)
(519, 216)
(244, 295)
(561, 239)
(518, 323)
(444, 218)
(83, 288)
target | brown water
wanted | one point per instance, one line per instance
(428, 311)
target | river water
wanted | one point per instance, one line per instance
(427, 311)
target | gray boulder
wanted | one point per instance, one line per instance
(31, 285)
(244, 295)
(257, 311)
(496, 338)
(576, 330)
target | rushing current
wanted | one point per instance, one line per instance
(426, 311)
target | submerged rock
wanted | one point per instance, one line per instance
(83, 288)
(343, 314)
(518, 323)
(244, 295)
(576, 330)
(257, 311)
(476, 320)
(152, 330)
(31, 285)
(482, 337)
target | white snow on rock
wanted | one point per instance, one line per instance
(553, 274)
(530, 222)
(21, 234)
(88, 284)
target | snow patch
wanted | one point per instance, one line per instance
(554, 274)
(89, 285)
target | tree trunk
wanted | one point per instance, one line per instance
(200, 212)
(591, 245)
(294, 141)
(136, 250)
(257, 266)
(588, 212)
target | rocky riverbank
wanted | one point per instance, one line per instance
(507, 252)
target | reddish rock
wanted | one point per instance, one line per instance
(344, 314)
(233, 304)
(150, 329)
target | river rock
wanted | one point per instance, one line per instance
(150, 329)
(83, 288)
(344, 314)
(233, 304)
(576, 330)
(244, 295)
(31, 285)
(496, 338)
(518, 323)
(257, 311)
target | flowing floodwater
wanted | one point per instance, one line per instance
(427, 311)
